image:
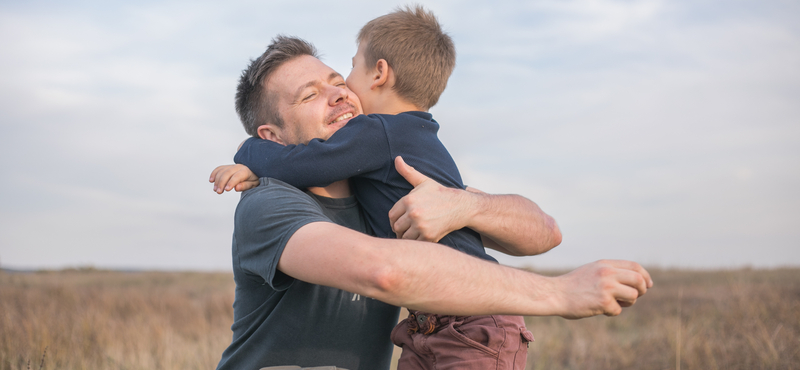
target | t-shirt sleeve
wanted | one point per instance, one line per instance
(266, 217)
(358, 148)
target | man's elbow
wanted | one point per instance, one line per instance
(387, 282)
(556, 236)
(553, 239)
(550, 239)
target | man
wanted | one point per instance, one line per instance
(313, 293)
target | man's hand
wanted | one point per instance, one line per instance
(430, 211)
(510, 224)
(602, 287)
(233, 176)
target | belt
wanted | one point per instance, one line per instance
(429, 323)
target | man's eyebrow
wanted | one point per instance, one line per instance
(332, 76)
(335, 75)
(301, 88)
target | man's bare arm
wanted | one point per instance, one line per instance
(511, 224)
(411, 274)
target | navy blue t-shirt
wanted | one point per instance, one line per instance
(364, 151)
(278, 320)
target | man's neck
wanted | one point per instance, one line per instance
(339, 189)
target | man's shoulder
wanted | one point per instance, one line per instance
(270, 185)
(273, 193)
(274, 208)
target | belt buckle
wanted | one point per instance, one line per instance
(423, 323)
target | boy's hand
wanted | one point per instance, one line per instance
(233, 176)
(430, 211)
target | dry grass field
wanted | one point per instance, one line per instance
(741, 319)
(114, 320)
(89, 319)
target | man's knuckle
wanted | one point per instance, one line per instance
(640, 283)
(607, 272)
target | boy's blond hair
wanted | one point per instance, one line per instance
(421, 55)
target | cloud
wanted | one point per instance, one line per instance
(658, 131)
(643, 134)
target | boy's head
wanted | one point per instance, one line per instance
(419, 53)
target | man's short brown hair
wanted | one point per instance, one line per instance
(254, 103)
(419, 52)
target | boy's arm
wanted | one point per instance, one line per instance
(358, 148)
(510, 224)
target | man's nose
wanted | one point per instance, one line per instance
(338, 95)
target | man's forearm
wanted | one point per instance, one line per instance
(515, 223)
(451, 282)
(435, 278)
(417, 275)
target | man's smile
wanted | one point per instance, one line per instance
(342, 117)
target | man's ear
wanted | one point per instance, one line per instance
(271, 133)
(380, 75)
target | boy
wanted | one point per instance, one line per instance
(399, 71)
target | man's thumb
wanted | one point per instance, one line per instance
(409, 173)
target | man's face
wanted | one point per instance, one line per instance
(313, 100)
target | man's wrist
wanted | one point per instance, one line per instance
(478, 205)
(546, 294)
(469, 207)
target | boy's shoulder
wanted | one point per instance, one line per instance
(410, 117)
(406, 126)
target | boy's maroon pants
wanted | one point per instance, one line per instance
(462, 342)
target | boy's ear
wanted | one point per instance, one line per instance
(381, 74)
(271, 133)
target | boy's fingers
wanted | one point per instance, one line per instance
(245, 185)
(222, 180)
(218, 176)
(214, 173)
(409, 173)
(237, 178)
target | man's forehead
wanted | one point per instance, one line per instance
(315, 81)
(302, 72)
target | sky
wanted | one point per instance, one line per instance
(664, 132)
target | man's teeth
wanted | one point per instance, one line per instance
(343, 117)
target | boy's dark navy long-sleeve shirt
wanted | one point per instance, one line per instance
(364, 151)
